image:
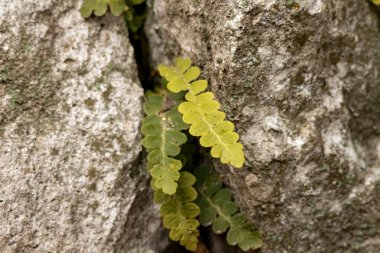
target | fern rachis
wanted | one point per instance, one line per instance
(183, 207)
(201, 111)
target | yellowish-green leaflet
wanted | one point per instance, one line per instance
(99, 7)
(117, 7)
(202, 112)
(179, 213)
(377, 2)
(173, 189)
(162, 138)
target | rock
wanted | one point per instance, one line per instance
(301, 81)
(71, 104)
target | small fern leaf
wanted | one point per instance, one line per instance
(218, 210)
(163, 138)
(117, 7)
(154, 104)
(377, 2)
(179, 213)
(202, 112)
(99, 7)
(182, 64)
(135, 2)
(166, 175)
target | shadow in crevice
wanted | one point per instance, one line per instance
(140, 44)
(375, 9)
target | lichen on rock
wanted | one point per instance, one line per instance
(300, 80)
(70, 109)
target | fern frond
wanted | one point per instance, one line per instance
(117, 7)
(202, 112)
(218, 210)
(99, 7)
(179, 213)
(377, 2)
(163, 137)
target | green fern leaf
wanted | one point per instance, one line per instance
(202, 112)
(99, 7)
(179, 213)
(117, 7)
(218, 210)
(163, 138)
(134, 2)
(377, 2)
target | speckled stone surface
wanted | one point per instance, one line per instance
(70, 109)
(301, 81)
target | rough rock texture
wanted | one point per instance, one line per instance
(301, 79)
(70, 110)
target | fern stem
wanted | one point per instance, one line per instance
(212, 130)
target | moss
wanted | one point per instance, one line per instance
(300, 39)
(92, 187)
(291, 4)
(89, 102)
(96, 145)
(4, 73)
(27, 78)
(54, 152)
(92, 173)
(116, 157)
(26, 47)
(94, 205)
(106, 94)
(297, 80)
(123, 145)
(15, 99)
(57, 177)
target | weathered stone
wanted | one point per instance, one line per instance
(301, 81)
(70, 109)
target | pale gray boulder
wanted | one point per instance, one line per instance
(71, 178)
(301, 81)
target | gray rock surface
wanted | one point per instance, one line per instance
(301, 80)
(70, 109)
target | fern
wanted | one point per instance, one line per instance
(163, 136)
(162, 129)
(99, 7)
(377, 2)
(201, 111)
(218, 209)
(173, 189)
(135, 20)
(117, 7)
(179, 214)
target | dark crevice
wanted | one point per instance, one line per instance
(140, 44)
(141, 48)
(209, 242)
(375, 9)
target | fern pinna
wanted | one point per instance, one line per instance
(173, 189)
(201, 111)
(117, 7)
(218, 210)
(179, 213)
(163, 136)
(188, 200)
(99, 7)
